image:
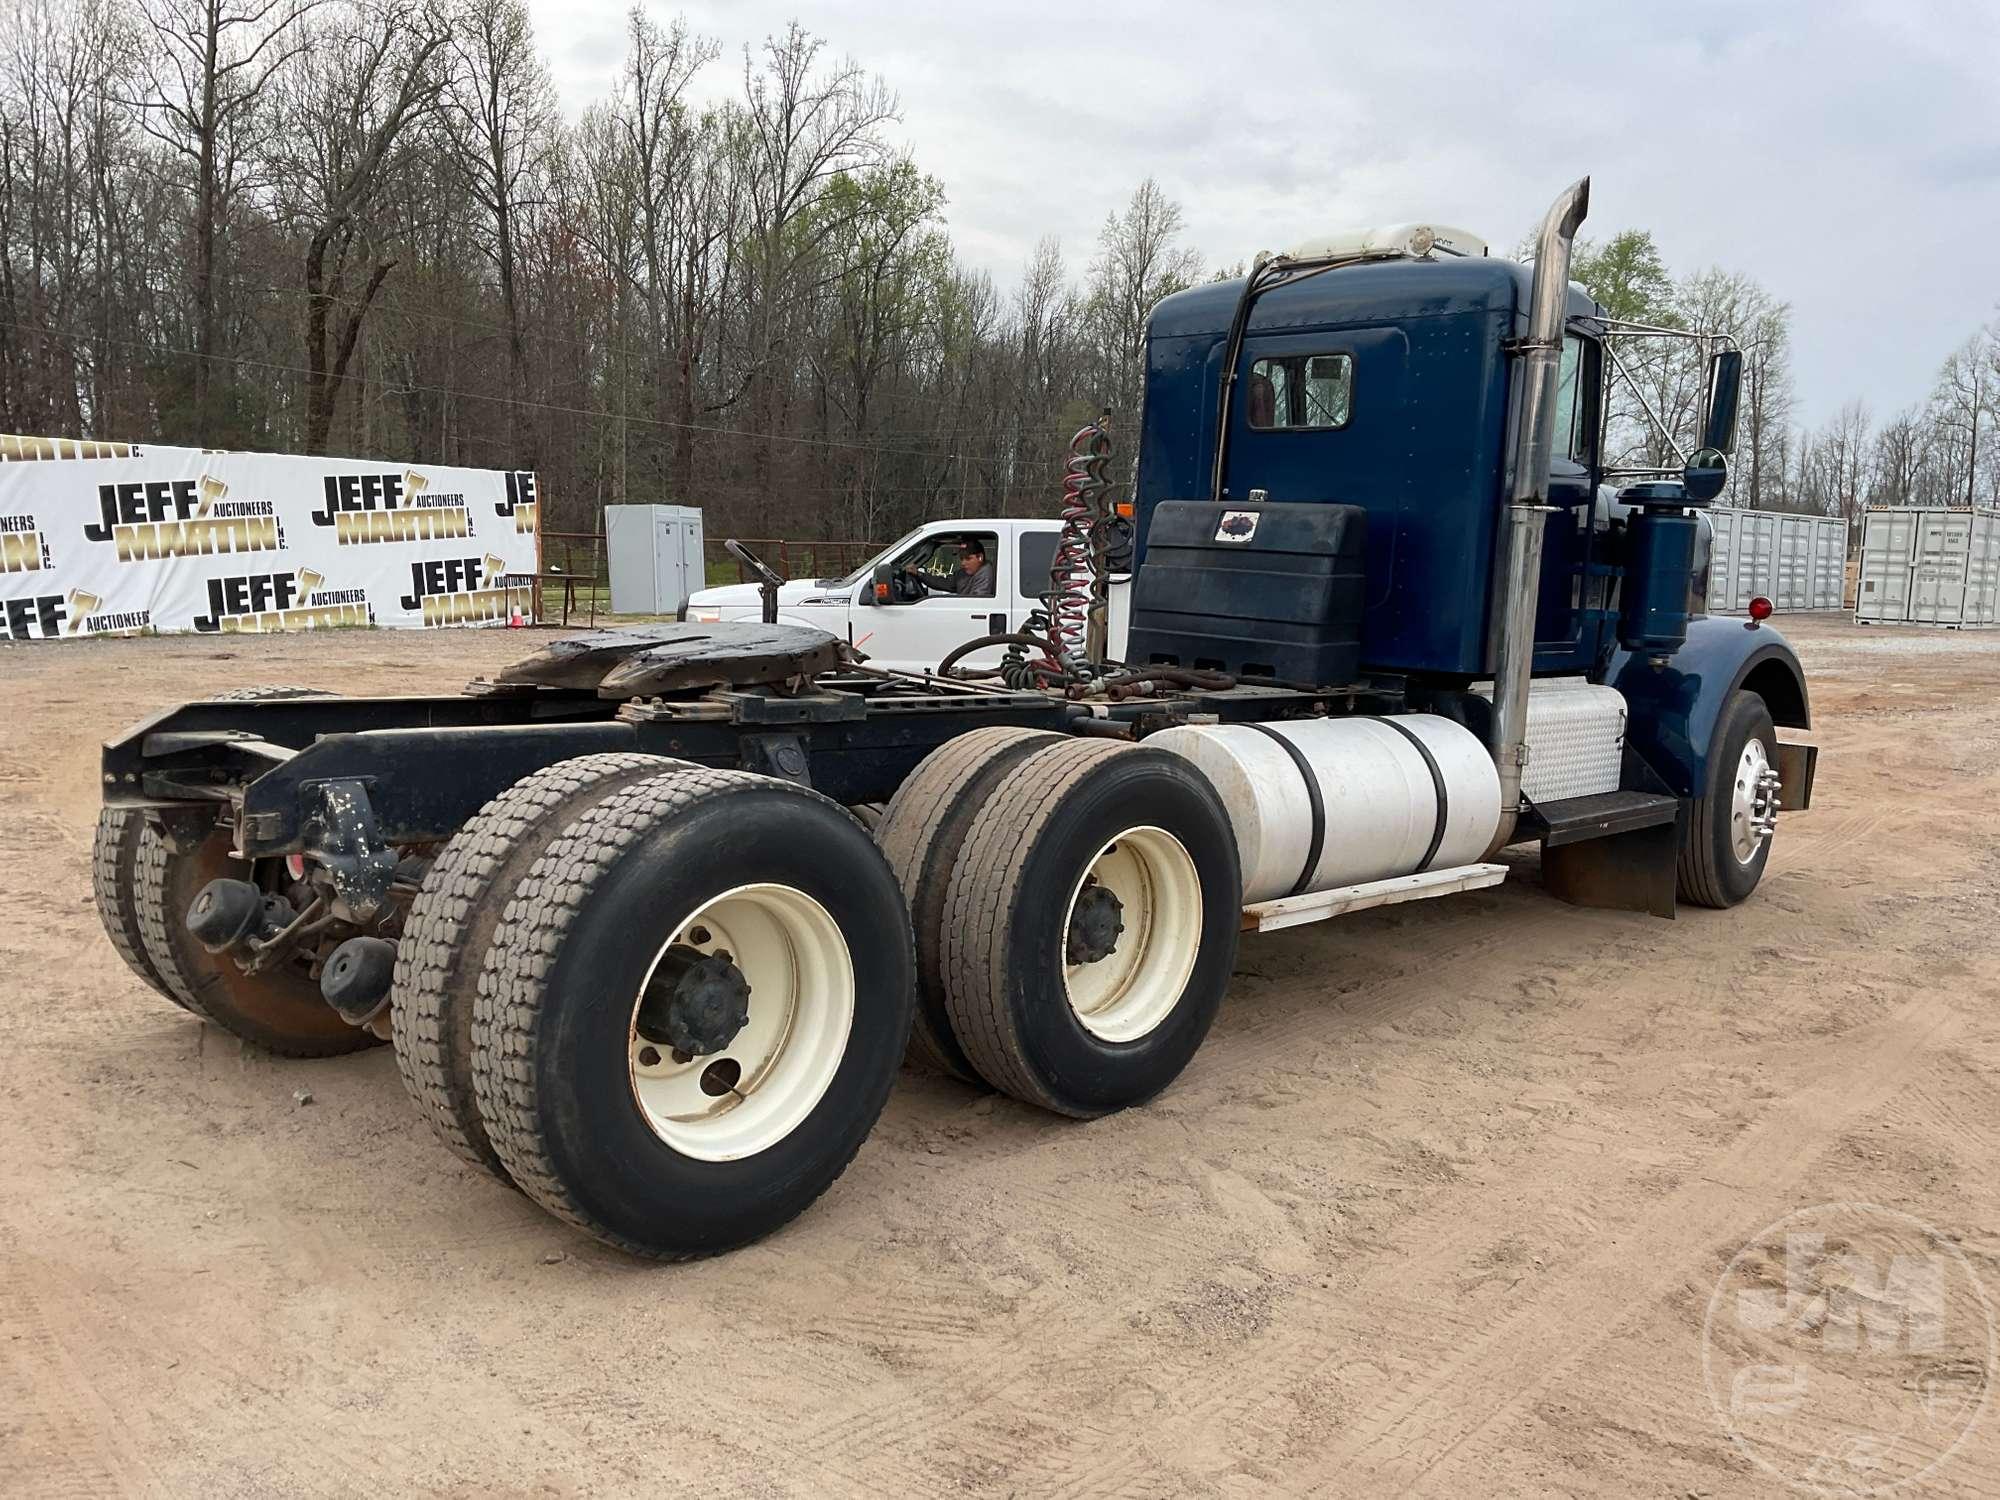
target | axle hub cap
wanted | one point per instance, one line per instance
(1095, 924)
(695, 1004)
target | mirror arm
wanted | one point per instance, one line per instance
(1645, 405)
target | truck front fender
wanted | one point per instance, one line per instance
(1673, 708)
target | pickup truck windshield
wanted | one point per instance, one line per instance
(888, 554)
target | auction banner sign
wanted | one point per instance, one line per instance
(101, 538)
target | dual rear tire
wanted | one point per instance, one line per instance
(1076, 909)
(666, 1002)
(143, 885)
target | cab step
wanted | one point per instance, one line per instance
(1602, 815)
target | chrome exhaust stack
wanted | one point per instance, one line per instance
(1518, 562)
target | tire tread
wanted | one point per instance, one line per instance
(513, 982)
(909, 835)
(114, 852)
(450, 925)
(1698, 871)
(986, 887)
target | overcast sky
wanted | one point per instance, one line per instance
(1846, 154)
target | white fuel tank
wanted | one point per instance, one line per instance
(1319, 803)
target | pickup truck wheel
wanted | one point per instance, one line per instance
(1091, 925)
(692, 1011)
(451, 922)
(1726, 845)
(280, 1009)
(923, 834)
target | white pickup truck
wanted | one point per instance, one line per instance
(913, 630)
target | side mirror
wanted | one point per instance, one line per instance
(1725, 384)
(881, 589)
(1706, 473)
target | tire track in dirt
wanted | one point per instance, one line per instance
(62, 1438)
(1097, 1348)
(1411, 1434)
(1447, 1364)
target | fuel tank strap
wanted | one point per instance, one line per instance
(1318, 840)
(1437, 782)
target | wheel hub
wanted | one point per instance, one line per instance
(696, 1004)
(1095, 924)
(1754, 800)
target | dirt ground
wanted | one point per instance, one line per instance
(1438, 1208)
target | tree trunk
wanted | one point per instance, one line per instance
(205, 432)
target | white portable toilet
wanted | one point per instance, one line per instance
(655, 557)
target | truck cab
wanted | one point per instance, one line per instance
(1384, 385)
(921, 619)
(1384, 372)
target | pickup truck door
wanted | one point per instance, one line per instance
(915, 636)
(1034, 550)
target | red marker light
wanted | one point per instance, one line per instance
(1760, 608)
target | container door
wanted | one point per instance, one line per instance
(1723, 526)
(1888, 561)
(1943, 552)
(1829, 564)
(1762, 576)
(1794, 564)
(1982, 577)
(694, 568)
(668, 585)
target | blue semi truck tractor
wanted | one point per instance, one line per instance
(651, 917)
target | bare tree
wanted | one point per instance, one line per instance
(800, 127)
(1765, 336)
(500, 120)
(1138, 263)
(682, 185)
(353, 102)
(203, 78)
(1964, 399)
(1846, 447)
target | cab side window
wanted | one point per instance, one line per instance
(1301, 392)
(1574, 435)
(1038, 554)
(939, 556)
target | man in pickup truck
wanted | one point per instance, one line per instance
(974, 578)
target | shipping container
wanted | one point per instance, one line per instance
(1930, 567)
(1797, 562)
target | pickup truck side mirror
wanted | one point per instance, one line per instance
(881, 589)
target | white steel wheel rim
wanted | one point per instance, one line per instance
(1129, 992)
(801, 1012)
(1746, 810)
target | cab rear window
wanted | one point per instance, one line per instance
(1300, 392)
